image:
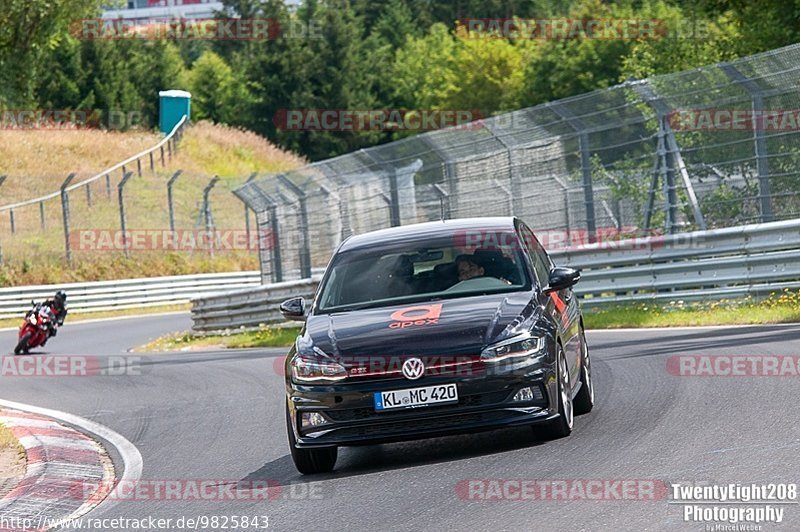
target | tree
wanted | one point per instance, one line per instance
(577, 62)
(213, 85)
(29, 30)
(442, 71)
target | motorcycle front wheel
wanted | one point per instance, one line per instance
(22, 346)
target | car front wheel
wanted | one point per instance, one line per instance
(561, 426)
(584, 401)
(310, 461)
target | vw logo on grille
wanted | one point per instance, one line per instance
(413, 369)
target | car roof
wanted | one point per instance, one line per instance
(428, 229)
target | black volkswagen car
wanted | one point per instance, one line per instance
(432, 329)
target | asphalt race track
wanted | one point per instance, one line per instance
(219, 415)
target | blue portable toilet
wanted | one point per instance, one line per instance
(174, 105)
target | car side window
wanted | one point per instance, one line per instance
(537, 255)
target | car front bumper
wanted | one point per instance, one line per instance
(485, 403)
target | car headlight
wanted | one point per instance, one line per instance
(316, 367)
(520, 346)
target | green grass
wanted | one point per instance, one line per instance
(780, 307)
(261, 337)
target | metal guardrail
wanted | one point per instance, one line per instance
(249, 307)
(128, 293)
(753, 260)
(173, 135)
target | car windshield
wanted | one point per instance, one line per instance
(423, 270)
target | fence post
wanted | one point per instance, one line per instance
(669, 185)
(247, 209)
(394, 195)
(305, 245)
(121, 198)
(207, 213)
(171, 182)
(162, 156)
(152, 162)
(275, 241)
(65, 214)
(2, 179)
(586, 164)
(108, 186)
(673, 157)
(88, 194)
(139, 167)
(515, 193)
(11, 219)
(444, 201)
(762, 160)
(41, 215)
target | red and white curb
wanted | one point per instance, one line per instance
(68, 472)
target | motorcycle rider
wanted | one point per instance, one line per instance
(58, 307)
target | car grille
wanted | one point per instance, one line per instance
(420, 425)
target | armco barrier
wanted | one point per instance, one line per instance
(249, 307)
(734, 262)
(128, 293)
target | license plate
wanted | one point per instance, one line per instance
(416, 397)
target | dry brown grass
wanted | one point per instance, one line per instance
(37, 162)
(34, 256)
(227, 151)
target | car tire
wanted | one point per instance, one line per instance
(310, 461)
(561, 427)
(584, 401)
(22, 346)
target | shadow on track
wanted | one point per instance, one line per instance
(362, 460)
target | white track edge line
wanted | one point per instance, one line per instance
(131, 457)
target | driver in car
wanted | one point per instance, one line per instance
(468, 268)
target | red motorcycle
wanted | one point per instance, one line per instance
(35, 330)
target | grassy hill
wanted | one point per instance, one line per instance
(37, 162)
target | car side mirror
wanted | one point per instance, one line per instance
(561, 278)
(294, 309)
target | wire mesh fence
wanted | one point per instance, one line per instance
(712, 147)
(139, 217)
(53, 223)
